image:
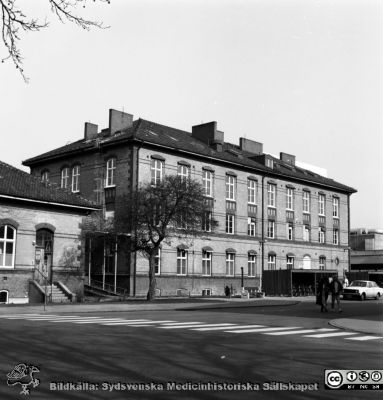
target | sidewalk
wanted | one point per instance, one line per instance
(143, 305)
(359, 325)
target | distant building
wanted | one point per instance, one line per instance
(273, 215)
(367, 254)
(39, 237)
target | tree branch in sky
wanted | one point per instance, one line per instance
(14, 21)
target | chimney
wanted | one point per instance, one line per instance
(90, 131)
(250, 146)
(209, 134)
(119, 121)
(288, 158)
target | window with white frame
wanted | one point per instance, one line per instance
(182, 261)
(251, 222)
(183, 172)
(306, 201)
(206, 263)
(335, 236)
(110, 172)
(76, 178)
(157, 262)
(156, 169)
(271, 260)
(321, 204)
(321, 235)
(251, 191)
(206, 221)
(207, 182)
(270, 229)
(306, 233)
(289, 231)
(251, 264)
(335, 207)
(322, 262)
(7, 246)
(45, 176)
(289, 198)
(230, 264)
(230, 187)
(271, 189)
(230, 219)
(290, 262)
(64, 177)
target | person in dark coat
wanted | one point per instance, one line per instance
(323, 292)
(336, 289)
(227, 291)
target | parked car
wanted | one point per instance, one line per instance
(362, 290)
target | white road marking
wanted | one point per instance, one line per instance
(364, 338)
(263, 329)
(192, 326)
(299, 331)
(183, 323)
(143, 323)
(325, 335)
(221, 328)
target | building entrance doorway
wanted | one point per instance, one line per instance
(44, 254)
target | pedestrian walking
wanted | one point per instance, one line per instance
(345, 282)
(323, 292)
(227, 291)
(336, 289)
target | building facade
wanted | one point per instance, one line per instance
(367, 254)
(272, 215)
(40, 244)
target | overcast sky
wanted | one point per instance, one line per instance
(303, 77)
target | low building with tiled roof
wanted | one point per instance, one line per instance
(40, 242)
(272, 213)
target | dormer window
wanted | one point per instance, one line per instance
(45, 176)
(76, 179)
(110, 172)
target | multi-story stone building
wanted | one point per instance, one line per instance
(40, 242)
(272, 215)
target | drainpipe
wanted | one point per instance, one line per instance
(263, 231)
(348, 234)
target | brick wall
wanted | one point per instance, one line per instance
(66, 226)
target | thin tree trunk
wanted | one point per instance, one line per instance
(152, 278)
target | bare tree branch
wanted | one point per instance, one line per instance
(14, 20)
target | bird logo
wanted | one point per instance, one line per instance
(22, 374)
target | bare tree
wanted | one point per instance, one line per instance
(160, 213)
(14, 20)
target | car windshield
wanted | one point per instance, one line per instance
(358, 283)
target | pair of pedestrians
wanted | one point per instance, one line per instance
(325, 288)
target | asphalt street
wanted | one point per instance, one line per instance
(264, 347)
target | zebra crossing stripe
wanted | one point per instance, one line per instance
(325, 335)
(263, 329)
(361, 338)
(193, 326)
(221, 328)
(106, 320)
(299, 331)
(142, 323)
(183, 323)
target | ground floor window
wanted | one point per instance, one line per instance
(182, 261)
(322, 262)
(157, 262)
(230, 266)
(3, 296)
(271, 261)
(251, 263)
(7, 246)
(290, 262)
(206, 263)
